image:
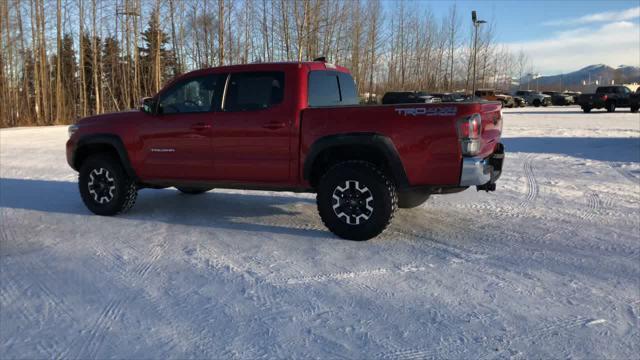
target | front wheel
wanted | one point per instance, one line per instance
(192, 190)
(105, 188)
(536, 103)
(586, 109)
(356, 201)
(634, 109)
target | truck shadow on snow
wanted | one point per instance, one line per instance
(213, 209)
(591, 148)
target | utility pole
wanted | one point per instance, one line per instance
(476, 25)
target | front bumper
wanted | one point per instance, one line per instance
(482, 171)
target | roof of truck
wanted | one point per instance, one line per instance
(312, 65)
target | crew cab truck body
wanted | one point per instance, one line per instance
(608, 97)
(292, 127)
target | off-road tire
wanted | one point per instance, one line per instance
(384, 199)
(611, 106)
(586, 109)
(120, 199)
(536, 103)
(412, 199)
(192, 190)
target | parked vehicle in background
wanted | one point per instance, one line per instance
(634, 101)
(558, 98)
(534, 98)
(408, 97)
(574, 95)
(492, 95)
(449, 97)
(288, 127)
(608, 97)
(519, 102)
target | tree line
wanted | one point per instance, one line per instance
(65, 59)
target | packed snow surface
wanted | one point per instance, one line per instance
(548, 266)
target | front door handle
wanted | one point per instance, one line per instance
(200, 126)
(274, 125)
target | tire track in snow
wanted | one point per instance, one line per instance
(553, 327)
(156, 253)
(97, 333)
(408, 354)
(593, 206)
(532, 183)
(113, 310)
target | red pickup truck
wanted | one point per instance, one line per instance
(290, 127)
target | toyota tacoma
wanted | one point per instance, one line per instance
(290, 127)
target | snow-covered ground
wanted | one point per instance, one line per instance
(548, 266)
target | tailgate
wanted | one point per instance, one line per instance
(491, 115)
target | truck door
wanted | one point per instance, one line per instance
(251, 135)
(176, 140)
(623, 96)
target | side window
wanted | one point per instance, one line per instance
(200, 94)
(348, 90)
(254, 91)
(323, 88)
(332, 88)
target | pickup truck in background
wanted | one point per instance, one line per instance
(288, 127)
(558, 98)
(608, 97)
(534, 98)
(491, 95)
(409, 97)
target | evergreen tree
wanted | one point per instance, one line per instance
(155, 40)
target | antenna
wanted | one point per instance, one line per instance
(474, 17)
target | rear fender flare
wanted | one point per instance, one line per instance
(380, 142)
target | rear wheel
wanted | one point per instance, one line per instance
(356, 201)
(586, 109)
(634, 109)
(105, 188)
(536, 103)
(192, 190)
(611, 106)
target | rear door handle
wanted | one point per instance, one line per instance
(201, 126)
(274, 125)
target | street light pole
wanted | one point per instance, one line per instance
(476, 25)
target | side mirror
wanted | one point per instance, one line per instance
(148, 105)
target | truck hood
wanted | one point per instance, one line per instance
(109, 117)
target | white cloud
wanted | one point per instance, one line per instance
(609, 16)
(612, 44)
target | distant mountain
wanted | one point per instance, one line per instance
(587, 77)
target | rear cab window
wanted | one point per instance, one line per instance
(331, 88)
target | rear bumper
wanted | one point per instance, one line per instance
(482, 171)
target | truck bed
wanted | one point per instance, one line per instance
(430, 150)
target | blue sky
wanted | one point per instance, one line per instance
(558, 36)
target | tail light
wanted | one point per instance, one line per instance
(604, 97)
(469, 133)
